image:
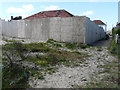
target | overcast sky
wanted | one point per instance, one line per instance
(94, 9)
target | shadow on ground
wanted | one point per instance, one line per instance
(102, 43)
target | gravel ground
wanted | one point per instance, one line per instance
(68, 77)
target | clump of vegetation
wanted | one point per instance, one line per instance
(12, 40)
(106, 37)
(77, 52)
(110, 78)
(56, 58)
(70, 45)
(114, 48)
(37, 47)
(83, 46)
(54, 43)
(15, 52)
(99, 48)
(14, 74)
(35, 73)
(50, 57)
(75, 45)
(51, 41)
(9, 40)
(109, 81)
(57, 45)
(14, 77)
(117, 32)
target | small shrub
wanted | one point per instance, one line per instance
(83, 46)
(37, 47)
(51, 41)
(33, 72)
(14, 77)
(99, 48)
(42, 63)
(106, 37)
(70, 45)
(52, 59)
(117, 32)
(31, 59)
(57, 45)
(62, 60)
(77, 52)
(40, 76)
(45, 49)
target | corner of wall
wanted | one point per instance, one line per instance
(86, 26)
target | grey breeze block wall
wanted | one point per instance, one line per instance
(71, 29)
(93, 32)
(60, 29)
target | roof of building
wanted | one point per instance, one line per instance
(53, 13)
(99, 22)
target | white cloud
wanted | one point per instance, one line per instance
(28, 7)
(23, 9)
(52, 7)
(14, 10)
(88, 13)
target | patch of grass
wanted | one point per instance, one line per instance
(75, 45)
(57, 57)
(83, 46)
(114, 48)
(57, 45)
(42, 63)
(4, 59)
(101, 84)
(77, 52)
(99, 48)
(52, 57)
(51, 70)
(40, 76)
(35, 73)
(14, 77)
(70, 45)
(108, 81)
(51, 41)
(37, 47)
(13, 40)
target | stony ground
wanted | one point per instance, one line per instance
(68, 77)
(80, 75)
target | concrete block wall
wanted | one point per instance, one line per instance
(93, 32)
(71, 29)
(67, 29)
(21, 29)
(10, 28)
(60, 29)
(37, 30)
